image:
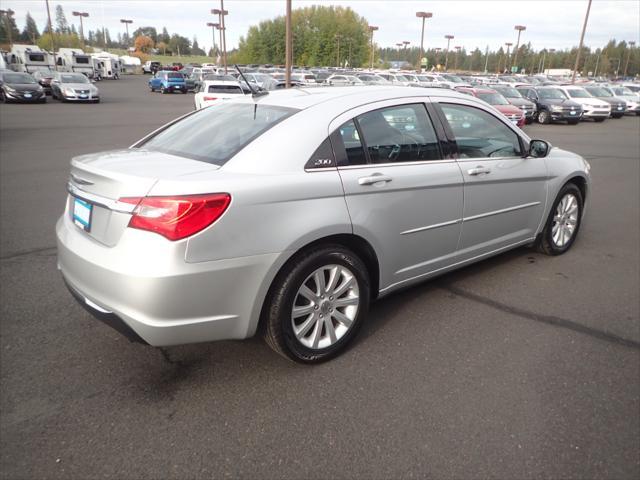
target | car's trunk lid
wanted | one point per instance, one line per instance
(99, 180)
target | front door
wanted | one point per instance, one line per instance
(504, 191)
(404, 196)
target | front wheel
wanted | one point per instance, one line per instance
(544, 117)
(598, 120)
(317, 304)
(563, 222)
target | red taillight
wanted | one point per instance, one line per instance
(177, 217)
(210, 99)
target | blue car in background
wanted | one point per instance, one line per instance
(168, 82)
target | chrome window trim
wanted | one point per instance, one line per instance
(395, 164)
(107, 203)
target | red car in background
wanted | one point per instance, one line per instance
(497, 100)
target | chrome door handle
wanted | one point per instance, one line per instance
(478, 170)
(374, 179)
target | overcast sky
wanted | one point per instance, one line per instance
(475, 23)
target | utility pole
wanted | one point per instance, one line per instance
(288, 45)
(446, 57)
(126, 22)
(53, 45)
(455, 64)
(520, 29)
(584, 29)
(213, 35)
(423, 16)
(506, 59)
(371, 30)
(7, 14)
(595, 72)
(221, 12)
(81, 15)
(626, 64)
(486, 59)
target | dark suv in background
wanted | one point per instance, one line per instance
(515, 98)
(552, 105)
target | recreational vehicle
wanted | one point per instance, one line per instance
(29, 59)
(74, 60)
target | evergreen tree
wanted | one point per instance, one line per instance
(164, 37)
(30, 32)
(4, 35)
(62, 26)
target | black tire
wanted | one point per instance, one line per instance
(544, 117)
(528, 121)
(163, 90)
(152, 89)
(545, 243)
(598, 120)
(278, 327)
(617, 116)
(573, 122)
(3, 99)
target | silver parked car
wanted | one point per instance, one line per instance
(234, 219)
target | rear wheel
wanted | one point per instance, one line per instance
(544, 117)
(563, 222)
(152, 89)
(317, 304)
(163, 90)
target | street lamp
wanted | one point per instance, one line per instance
(437, 56)
(81, 15)
(626, 64)
(506, 59)
(584, 29)
(126, 22)
(288, 50)
(371, 30)
(423, 16)
(7, 14)
(213, 35)
(455, 63)
(221, 12)
(399, 45)
(446, 56)
(404, 54)
(520, 29)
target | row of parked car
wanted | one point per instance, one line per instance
(34, 88)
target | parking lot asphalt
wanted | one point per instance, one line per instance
(522, 366)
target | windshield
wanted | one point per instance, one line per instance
(453, 78)
(73, 78)
(579, 93)
(17, 78)
(552, 93)
(493, 98)
(622, 91)
(216, 134)
(509, 92)
(598, 92)
(401, 78)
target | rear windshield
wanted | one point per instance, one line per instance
(224, 89)
(216, 134)
(493, 98)
(579, 93)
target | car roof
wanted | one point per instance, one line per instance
(345, 98)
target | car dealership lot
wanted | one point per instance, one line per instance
(522, 366)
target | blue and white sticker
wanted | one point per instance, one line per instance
(82, 214)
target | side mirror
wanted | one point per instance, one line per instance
(539, 148)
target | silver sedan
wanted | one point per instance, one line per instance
(289, 213)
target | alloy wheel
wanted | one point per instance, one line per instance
(325, 306)
(565, 220)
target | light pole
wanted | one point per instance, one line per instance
(126, 22)
(371, 30)
(221, 12)
(213, 35)
(520, 29)
(618, 67)
(423, 16)
(7, 14)
(53, 45)
(81, 15)
(584, 28)
(455, 63)
(446, 55)
(288, 45)
(506, 59)
(626, 64)
(404, 53)
(595, 72)
(438, 50)
(399, 45)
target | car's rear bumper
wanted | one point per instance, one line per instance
(144, 285)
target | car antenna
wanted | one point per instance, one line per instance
(254, 93)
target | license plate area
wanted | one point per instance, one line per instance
(81, 214)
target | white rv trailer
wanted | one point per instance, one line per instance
(29, 59)
(74, 60)
(111, 65)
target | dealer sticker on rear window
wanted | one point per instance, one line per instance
(82, 214)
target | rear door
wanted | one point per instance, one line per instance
(403, 190)
(504, 191)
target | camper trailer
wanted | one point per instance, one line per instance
(111, 65)
(74, 60)
(29, 59)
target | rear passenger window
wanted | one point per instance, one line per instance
(399, 134)
(352, 144)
